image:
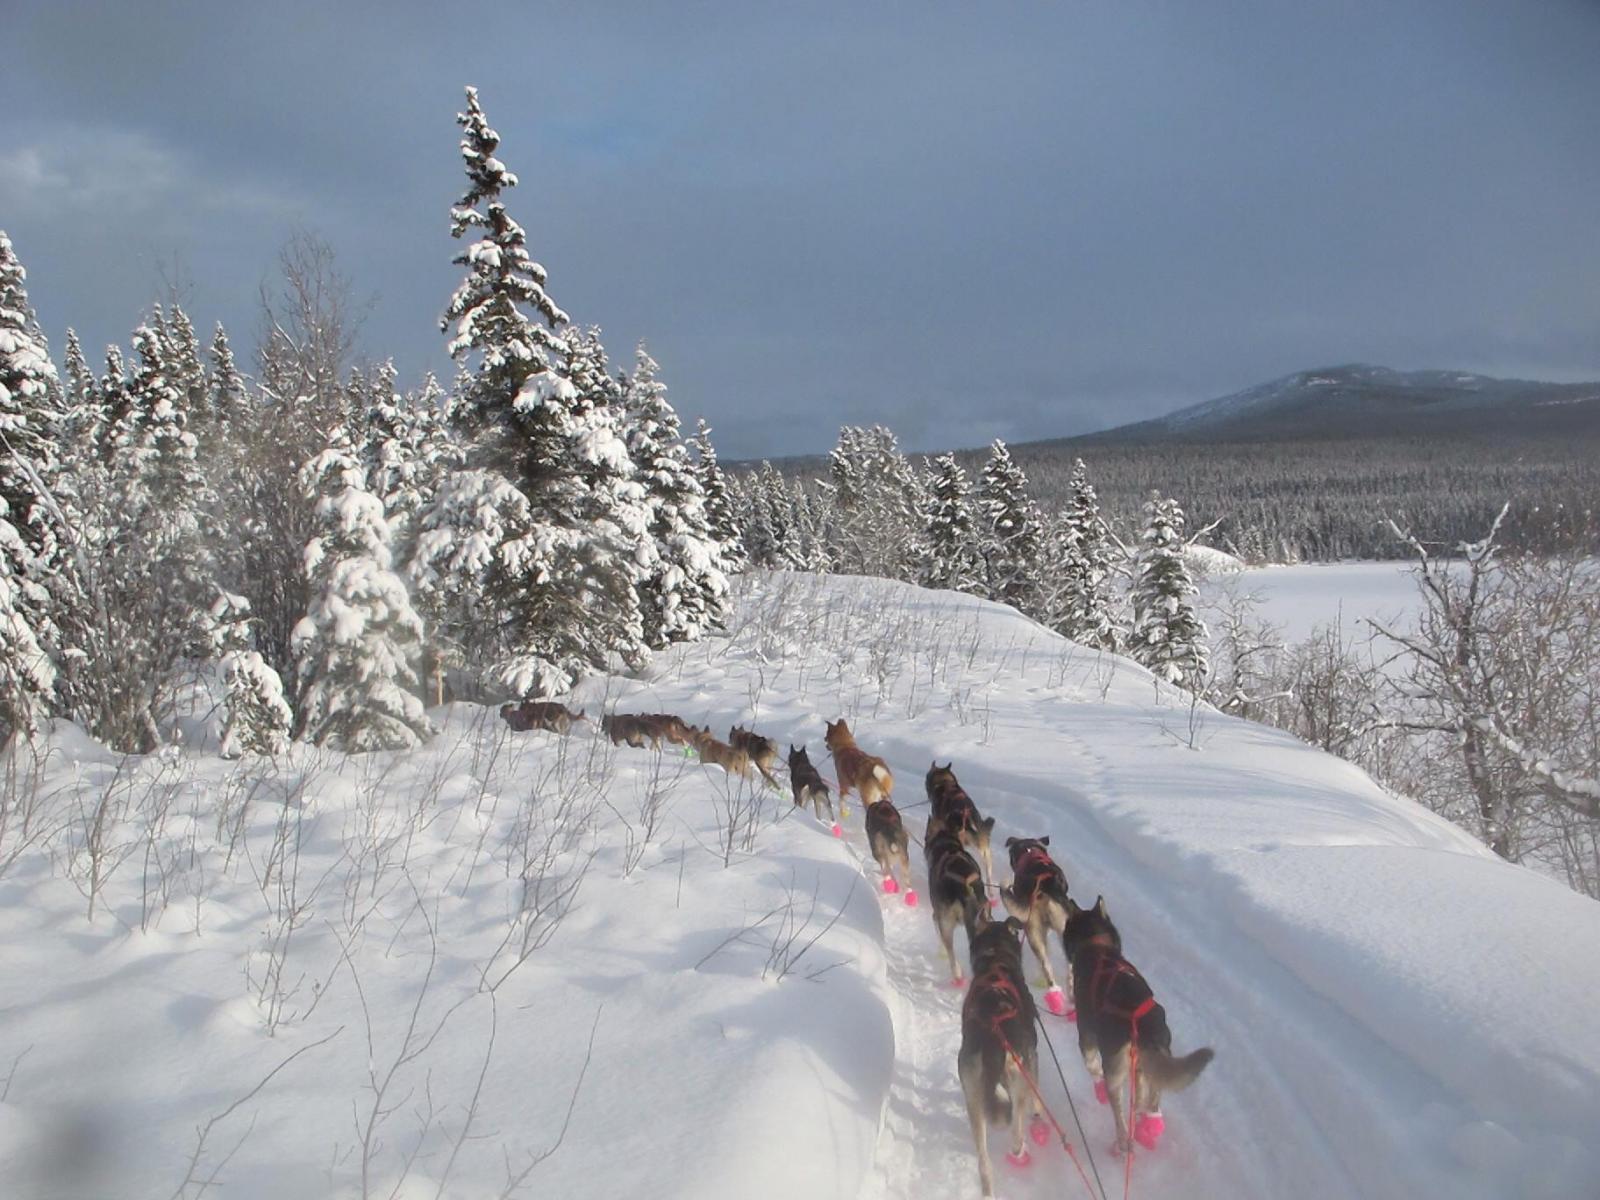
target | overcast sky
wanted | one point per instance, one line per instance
(963, 220)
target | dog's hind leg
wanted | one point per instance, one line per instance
(973, 1088)
(1041, 945)
(1022, 1108)
(944, 920)
(1116, 1077)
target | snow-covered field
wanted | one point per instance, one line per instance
(1300, 598)
(388, 975)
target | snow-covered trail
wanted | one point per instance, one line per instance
(1313, 1093)
(925, 1146)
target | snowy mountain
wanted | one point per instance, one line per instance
(526, 965)
(1368, 401)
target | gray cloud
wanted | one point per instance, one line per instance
(966, 222)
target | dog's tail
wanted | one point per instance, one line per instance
(881, 774)
(1174, 1074)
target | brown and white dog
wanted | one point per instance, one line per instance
(865, 774)
(1038, 898)
(951, 804)
(1119, 1022)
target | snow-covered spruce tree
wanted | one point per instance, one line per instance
(952, 559)
(1011, 532)
(686, 593)
(30, 408)
(877, 498)
(724, 525)
(257, 718)
(28, 432)
(1090, 615)
(551, 479)
(81, 415)
(358, 646)
(1168, 635)
(227, 399)
(409, 450)
(116, 406)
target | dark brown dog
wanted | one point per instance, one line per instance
(955, 889)
(1038, 898)
(951, 804)
(540, 714)
(998, 1044)
(622, 728)
(807, 785)
(1115, 1004)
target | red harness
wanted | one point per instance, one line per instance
(1031, 856)
(1006, 1003)
(1108, 966)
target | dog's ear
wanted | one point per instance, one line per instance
(1010, 842)
(1015, 925)
(988, 824)
(1073, 908)
(1045, 840)
(1100, 905)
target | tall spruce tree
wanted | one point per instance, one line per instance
(952, 560)
(1090, 613)
(560, 577)
(1168, 635)
(685, 594)
(28, 433)
(724, 525)
(1011, 531)
(358, 647)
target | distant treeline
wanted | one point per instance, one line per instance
(1331, 498)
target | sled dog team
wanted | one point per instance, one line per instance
(1122, 1030)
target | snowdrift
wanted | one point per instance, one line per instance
(516, 964)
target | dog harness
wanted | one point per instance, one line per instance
(1035, 856)
(994, 997)
(1109, 966)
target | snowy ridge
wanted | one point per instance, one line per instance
(1395, 1012)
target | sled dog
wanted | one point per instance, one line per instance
(806, 784)
(886, 836)
(997, 1032)
(865, 774)
(1119, 1020)
(1037, 897)
(950, 803)
(955, 889)
(540, 714)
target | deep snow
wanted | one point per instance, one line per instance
(1395, 1012)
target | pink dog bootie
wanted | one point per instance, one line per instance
(890, 886)
(1021, 1159)
(1100, 1092)
(911, 897)
(1056, 1002)
(837, 832)
(1039, 1132)
(1148, 1128)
